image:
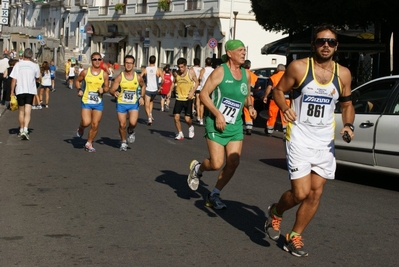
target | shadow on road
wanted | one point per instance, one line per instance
(246, 218)
(279, 163)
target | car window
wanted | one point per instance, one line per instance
(396, 106)
(372, 98)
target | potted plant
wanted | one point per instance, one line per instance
(164, 5)
(119, 7)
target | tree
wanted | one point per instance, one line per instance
(293, 16)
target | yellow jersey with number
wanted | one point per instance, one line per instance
(128, 94)
(92, 85)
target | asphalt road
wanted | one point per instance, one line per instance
(62, 206)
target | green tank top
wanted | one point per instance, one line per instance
(229, 97)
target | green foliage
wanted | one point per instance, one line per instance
(163, 4)
(119, 6)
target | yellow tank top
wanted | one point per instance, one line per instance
(92, 84)
(128, 94)
(183, 86)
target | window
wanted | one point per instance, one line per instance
(141, 6)
(193, 4)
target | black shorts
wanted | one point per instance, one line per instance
(24, 99)
(187, 106)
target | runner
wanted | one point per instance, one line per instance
(165, 90)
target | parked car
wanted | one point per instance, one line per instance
(376, 142)
(264, 72)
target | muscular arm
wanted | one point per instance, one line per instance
(105, 87)
(115, 85)
(78, 81)
(348, 111)
(195, 86)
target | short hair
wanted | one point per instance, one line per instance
(28, 53)
(280, 67)
(325, 27)
(152, 59)
(94, 54)
(129, 56)
(196, 61)
(182, 60)
(247, 64)
(208, 61)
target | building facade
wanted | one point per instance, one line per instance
(169, 29)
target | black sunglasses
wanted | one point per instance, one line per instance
(319, 42)
(96, 59)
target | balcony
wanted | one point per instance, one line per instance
(82, 3)
(67, 5)
(193, 4)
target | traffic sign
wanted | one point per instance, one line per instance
(42, 42)
(212, 43)
(39, 37)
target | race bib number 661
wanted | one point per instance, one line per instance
(230, 109)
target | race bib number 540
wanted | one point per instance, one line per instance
(230, 109)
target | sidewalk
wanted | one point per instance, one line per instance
(2, 109)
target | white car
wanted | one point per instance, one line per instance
(376, 142)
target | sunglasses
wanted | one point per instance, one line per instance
(96, 59)
(319, 42)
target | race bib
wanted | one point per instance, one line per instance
(94, 98)
(314, 108)
(129, 96)
(230, 109)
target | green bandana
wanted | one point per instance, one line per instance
(233, 44)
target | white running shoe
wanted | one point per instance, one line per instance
(191, 132)
(132, 137)
(179, 136)
(123, 147)
(193, 177)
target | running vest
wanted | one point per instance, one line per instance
(128, 94)
(183, 86)
(46, 78)
(92, 84)
(314, 104)
(152, 79)
(167, 83)
(207, 72)
(229, 97)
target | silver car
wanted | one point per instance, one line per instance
(376, 142)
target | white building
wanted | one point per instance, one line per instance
(182, 28)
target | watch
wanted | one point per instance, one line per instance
(350, 125)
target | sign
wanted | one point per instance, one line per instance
(147, 42)
(212, 43)
(5, 11)
(82, 29)
(4, 20)
(42, 42)
(39, 37)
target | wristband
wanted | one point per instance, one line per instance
(350, 125)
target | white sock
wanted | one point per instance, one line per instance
(25, 129)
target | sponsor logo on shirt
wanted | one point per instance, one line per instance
(316, 99)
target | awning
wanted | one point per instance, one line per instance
(301, 43)
(114, 39)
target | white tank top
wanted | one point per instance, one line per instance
(208, 71)
(152, 79)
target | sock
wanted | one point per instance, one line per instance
(293, 233)
(274, 211)
(25, 129)
(21, 130)
(181, 133)
(197, 170)
(215, 191)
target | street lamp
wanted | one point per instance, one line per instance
(235, 20)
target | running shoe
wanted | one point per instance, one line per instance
(215, 202)
(24, 135)
(39, 107)
(179, 137)
(201, 121)
(34, 107)
(191, 132)
(19, 134)
(132, 137)
(166, 108)
(272, 224)
(46, 106)
(149, 122)
(295, 245)
(79, 132)
(123, 147)
(89, 148)
(193, 177)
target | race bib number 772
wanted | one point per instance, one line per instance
(230, 109)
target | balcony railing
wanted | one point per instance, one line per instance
(141, 8)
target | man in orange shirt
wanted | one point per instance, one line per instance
(273, 108)
(247, 116)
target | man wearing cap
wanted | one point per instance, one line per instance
(225, 93)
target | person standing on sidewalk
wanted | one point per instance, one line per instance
(91, 91)
(26, 73)
(274, 111)
(224, 95)
(185, 83)
(318, 83)
(128, 100)
(4, 64)
(153, 76)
